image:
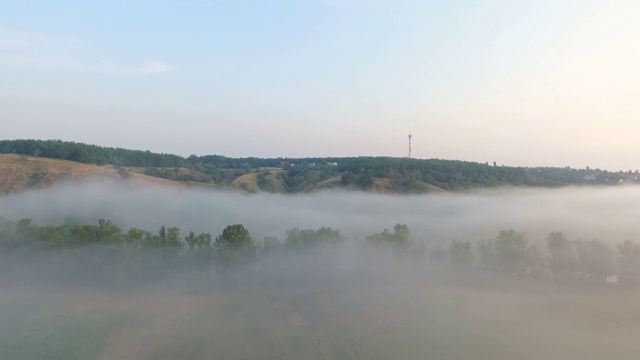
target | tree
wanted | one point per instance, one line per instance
(461, 254)
(439, 256)
(136, 236)
(197, 242)
(303, 238)
(401, 234)
(509, 253)
(399, 238)
(595, 260)
(365, 180)
(107, 232)
(628, 262)
(347, 178)
(563, 261)
(104, 233)
(270, 244)
(200, 250)
(234, 246)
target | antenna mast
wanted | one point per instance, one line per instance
(410, 136)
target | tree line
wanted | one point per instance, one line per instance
(107, 251)
(578, 261)
(403, 174)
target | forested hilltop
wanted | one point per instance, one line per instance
(290, 175)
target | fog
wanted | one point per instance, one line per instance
(339, 301)
(608, 214)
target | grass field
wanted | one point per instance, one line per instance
(373, 322)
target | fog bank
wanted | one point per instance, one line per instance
(608, 214)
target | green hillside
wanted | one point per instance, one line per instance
(293, 175)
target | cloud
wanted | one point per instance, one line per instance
(33, 50)
(155, 67)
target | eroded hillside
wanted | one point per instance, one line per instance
(19, 173)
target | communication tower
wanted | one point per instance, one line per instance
(410, 136)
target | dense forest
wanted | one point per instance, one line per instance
(399, 174)
(111, 254)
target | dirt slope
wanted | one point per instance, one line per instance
(18, 173)
(248, 182)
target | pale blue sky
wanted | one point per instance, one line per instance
(516, 82)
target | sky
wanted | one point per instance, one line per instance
(523, 83)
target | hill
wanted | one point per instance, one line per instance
(20, 172)
(293, 175)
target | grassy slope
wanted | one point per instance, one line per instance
(272, 181)
(18, 173)
(247, 182)
(196, 176)
(328, 183)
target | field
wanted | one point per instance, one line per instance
(435, 321)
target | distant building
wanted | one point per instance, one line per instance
(284, 165)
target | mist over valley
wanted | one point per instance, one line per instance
(335, 274)
(582, 213)
(319, 179)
